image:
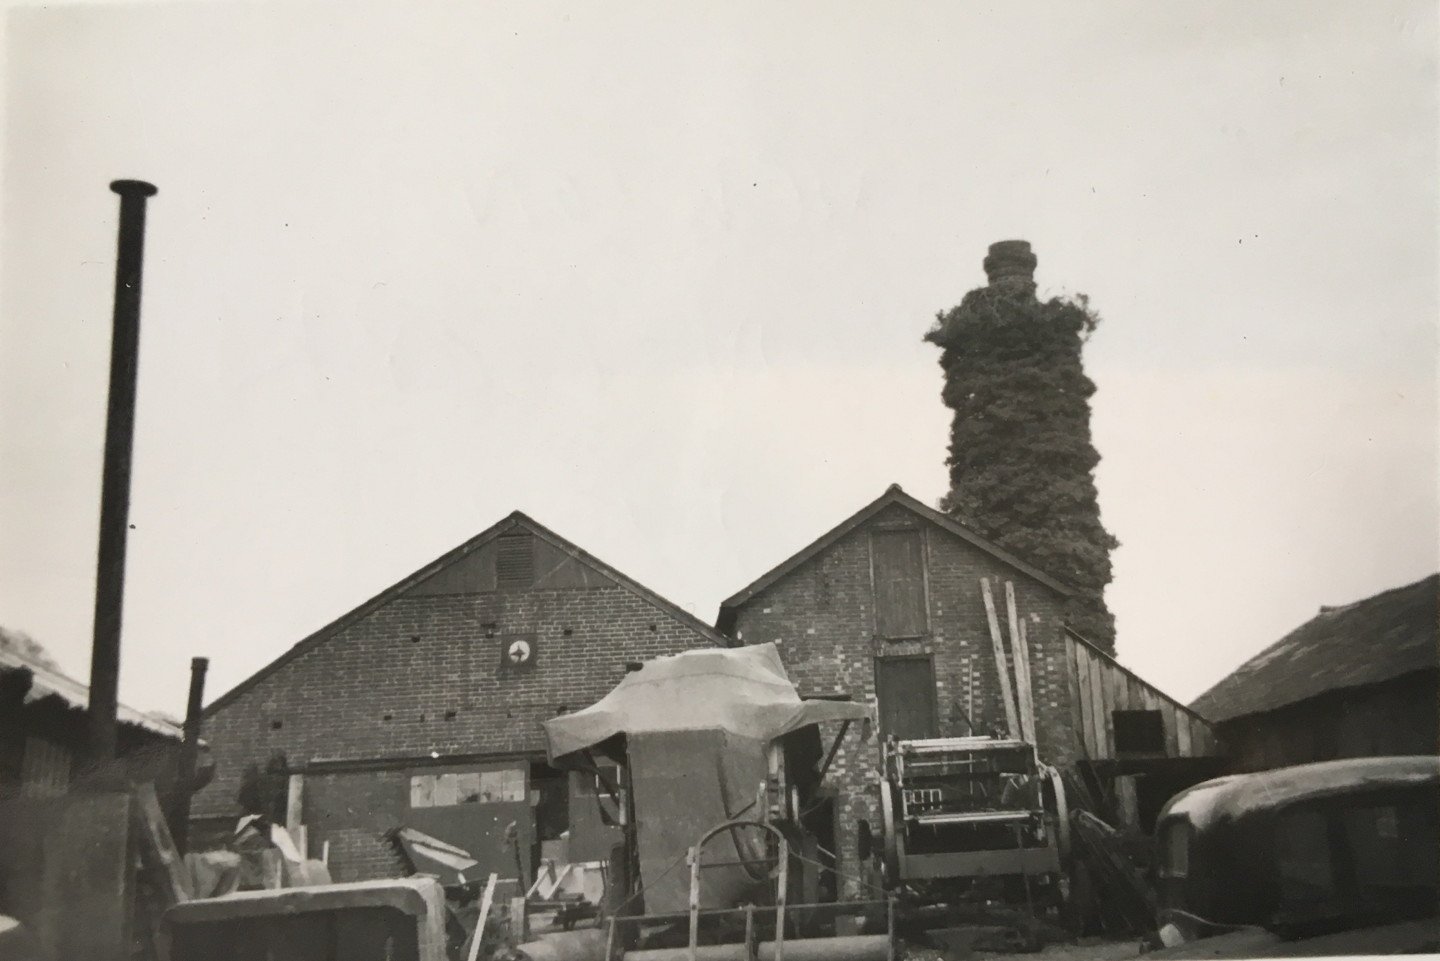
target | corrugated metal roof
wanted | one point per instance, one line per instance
(1366, 642)
(48, 683)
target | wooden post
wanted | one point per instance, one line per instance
(157, 847)
(1029, 697)
(295, 811)
(486, 897)
(1127, 804)
(519, 921)
(1023, 694)
(1012, 722)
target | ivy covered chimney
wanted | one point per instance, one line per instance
(1021, 459)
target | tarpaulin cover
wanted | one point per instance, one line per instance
(697, 727)
(743, 691)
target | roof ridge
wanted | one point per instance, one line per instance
(894, 494)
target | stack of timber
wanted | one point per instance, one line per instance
(1019, 701)
(1119, 894)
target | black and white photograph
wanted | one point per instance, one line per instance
(489, 480)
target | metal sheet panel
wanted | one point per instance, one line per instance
(685, 783)
(974, 863)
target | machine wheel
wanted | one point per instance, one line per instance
(1061, 810)
(893, 833)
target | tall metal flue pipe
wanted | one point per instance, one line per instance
(115, 482)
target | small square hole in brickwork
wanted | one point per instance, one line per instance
(567, 632)
(450, 715)
(414, 638)
(387, 717)
(653, 628)
(276, 724)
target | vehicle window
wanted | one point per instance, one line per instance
(1393, 846)
(1303, 857)
(1377, 850)
(1175, 851)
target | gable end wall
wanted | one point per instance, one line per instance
(417, 658)
(822, 615)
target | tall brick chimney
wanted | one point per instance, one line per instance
(1010, 264)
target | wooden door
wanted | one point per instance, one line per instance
(905, 687)
(471, 807)
(897, 561)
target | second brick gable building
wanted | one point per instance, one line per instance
(887, 609)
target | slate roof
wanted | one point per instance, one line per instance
(893, 495)
(1369, 641)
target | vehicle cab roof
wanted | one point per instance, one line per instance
(1237, 795)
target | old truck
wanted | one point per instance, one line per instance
(1333, 858)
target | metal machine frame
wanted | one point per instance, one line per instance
(778, 919)
(946, 788)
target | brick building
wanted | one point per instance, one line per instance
(422, 707)
(887, 609)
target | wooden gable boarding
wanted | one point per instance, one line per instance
(1101, 688)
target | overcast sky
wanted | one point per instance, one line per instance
(657, 274)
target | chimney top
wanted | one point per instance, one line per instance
(1010, 264)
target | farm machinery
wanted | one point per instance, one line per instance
(973, 815)
(721, 771)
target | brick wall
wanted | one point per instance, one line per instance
(420, 677)
(822, 617)
(352, 811)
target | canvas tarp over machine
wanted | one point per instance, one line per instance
(713, 815)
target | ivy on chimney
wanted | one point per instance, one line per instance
(1021, 458)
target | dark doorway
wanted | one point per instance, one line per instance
(905, 687)
(550, 795)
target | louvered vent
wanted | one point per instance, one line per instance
(515, 561)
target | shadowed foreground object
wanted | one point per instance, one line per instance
(115, 485)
